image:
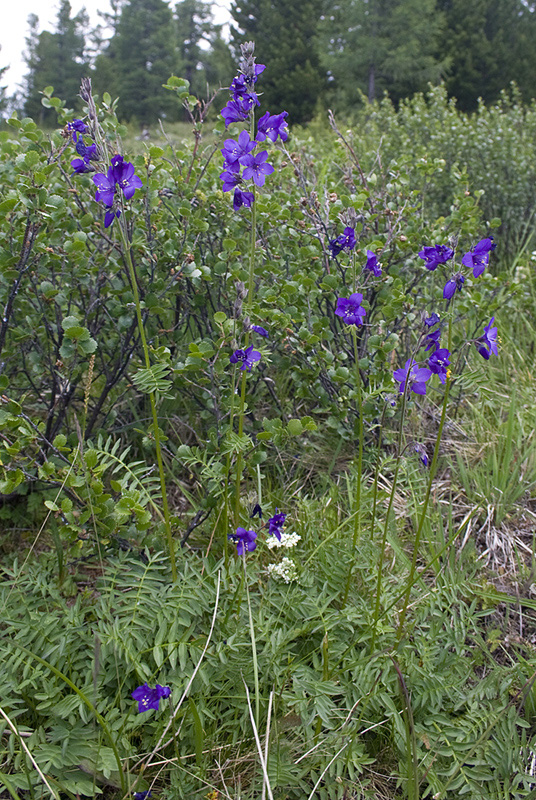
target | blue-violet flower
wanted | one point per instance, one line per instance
(432, 340)
(452, 285)
(435, 255)
(346, 241)
(245, 540)
(477, 259)
(438, 363)
(488, 342)
(241, 198)
(350, 309)
(275, 524)
(255, 167)
(248, 357)
(75, 127)
(232, 151)
(260, 330)
(150, 698)
(271, 126)
(414, 375)
(373, 264)
(432, 320)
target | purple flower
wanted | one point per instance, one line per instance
(260, 330)
(230, 180)
(414, 375)
(271, 126)
(477, 259)
(432, 320)
(435, 255)
(373, 264)
(142, 795)
(237, 109)
(432, 340)
(257, 511)
(255, 167)
(105, 187)
(232, 151)
(88, 153)
(123, 174)
(245, 540)
(150, 698)
(438, 363)
(275, 524)
(110, 216)
(452, 285)
(488, 342)
(421, 452)
(241, 89)
(76, 126)
(241, 198)
(80, 165)
(248, 357)
(346, 241)
(350, 309)
(85, 150)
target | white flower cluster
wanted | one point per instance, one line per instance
(287, 540)
(285, 570)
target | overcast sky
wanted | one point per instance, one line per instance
(14, 29)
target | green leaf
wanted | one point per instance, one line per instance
(294, 427)
(152, 379)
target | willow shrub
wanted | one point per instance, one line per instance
(69, 341)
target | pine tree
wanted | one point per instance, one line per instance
(382, 45)
(145, 53)
(105, 72)
(490, 43)
(3, 92)
(204, 56)
(284, 33)
(55, 59)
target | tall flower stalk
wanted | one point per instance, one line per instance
(243, 164)
(356, 315)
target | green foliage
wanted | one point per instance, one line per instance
(384, 45)
(327, 690)
(488, 47)
(357, 697)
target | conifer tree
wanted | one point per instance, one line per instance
(55, 59)
(105, 70)
(145, 53)
(490, 43)
(204, 56)
(284, 33)
(382, 45)
(3, 92)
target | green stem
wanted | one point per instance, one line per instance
(239, 459)
(357, 513)
(158, 446)
(253, 649)
(386, 524)
(418, 535)
(227, 474)
(376, 475)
